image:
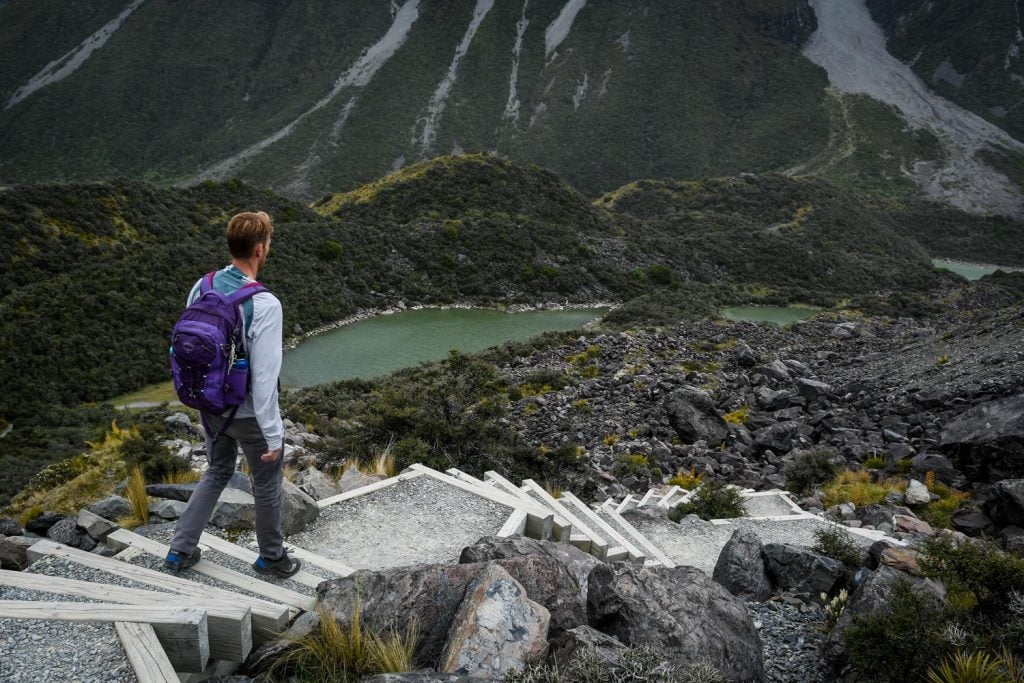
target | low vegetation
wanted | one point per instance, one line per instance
(714, 500)
(837, 543)
(688, 480)
(979, 626)
(637, 664)
(333, 651)
(809, 469)
(859, 487)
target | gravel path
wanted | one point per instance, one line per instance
(416, 521)
(792, 637)
(238, 565)
(698, 544)
(767, 506)
(50, 651)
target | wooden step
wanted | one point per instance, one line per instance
(182, 632)
(369, 488)
(326, 563)
(268, 618)
(562, 530)
(628, 503)
(145, 654)
(610, 532)
(123, 538)
(598, 545)
(248, 556)
(652, 551)
(229, 623)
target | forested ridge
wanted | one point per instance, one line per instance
(94, 275)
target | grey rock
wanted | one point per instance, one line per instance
(745, 356)
(942, 466)
(777, 370)
(95, 526)
(576, 562)
(432, 595)
(813, 390)
(846, 331)
(916, 493)
(769, 399)
(179, 492)
(798, 570)
(741, 569)
(1013, 540)
(111, 507)
(692, 414)
(66, 531)
(353, 479)
(9, 527)
(41, 524)
(779, 437)
(298, 509)
(680, 612)
(986, 442)
(586, 638)
(167, 509)
(497, 629)
(234, 510)
(1004, 502)
(260, 659)
(973, 523)
(14, 552)
(317, 484)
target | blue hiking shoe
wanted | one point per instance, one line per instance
(178, 562)
(282, 568)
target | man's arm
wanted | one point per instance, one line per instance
(265, 367)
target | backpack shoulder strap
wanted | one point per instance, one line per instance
(246, 292)
(206, 284)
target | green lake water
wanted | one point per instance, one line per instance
(381, 345)
(780, 315)
(969, 271)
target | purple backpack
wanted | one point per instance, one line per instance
(205, 345)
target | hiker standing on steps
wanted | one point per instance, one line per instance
(241, 373)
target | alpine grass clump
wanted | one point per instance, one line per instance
(714, 500)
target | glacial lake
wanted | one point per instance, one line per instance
(970, 271)
(780, 315)
(383, 344)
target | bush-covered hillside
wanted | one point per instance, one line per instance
(181, 87)
(94, 275)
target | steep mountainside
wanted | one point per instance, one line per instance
(311, 97)
(969, 52)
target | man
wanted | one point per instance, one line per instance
(256, 425)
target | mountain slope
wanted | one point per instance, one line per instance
(308, 97)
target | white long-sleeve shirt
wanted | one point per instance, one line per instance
(263, 330)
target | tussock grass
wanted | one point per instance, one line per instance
(553, 488)
(687, 480)
(383, 464)
(345, 654)
(182, 477)
(858, 487)
(135, 492)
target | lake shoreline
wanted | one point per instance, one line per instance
(368, 313)
(975, 264)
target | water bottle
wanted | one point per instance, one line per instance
(241, 364)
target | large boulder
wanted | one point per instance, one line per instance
(872, 595)
(178, 492)
(9, 527)
(740, 569)
(112, 508)
(97, 527)
(986, 443)
(916, 493)
(167, 509)
(972, 523)
(14, 552)
(234, 510)
(317, 484)
(780, 437)
(41, 525)
(497, 629)
(812, 390)
(940, 465)
(802, 572)
(575, 561)
(693, 416)
(680, 612)
(1004, 503)
(352, 479)
(298, 509)
(586, 638)
(432, 594)
(66, 531)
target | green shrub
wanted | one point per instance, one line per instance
(836, 542)
(810, 468)
(714, 500)
(979, 567)
(637, 664)
(900, 642)
(155, 461)
(330, 251)
(875, 463)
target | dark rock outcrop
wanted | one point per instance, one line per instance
(986, 442)
(1004, 503)
(679, 612)
(693, 416)
(800, 571)
(741, 569)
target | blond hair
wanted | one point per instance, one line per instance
(246, 230)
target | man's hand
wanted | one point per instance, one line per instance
(271, 456)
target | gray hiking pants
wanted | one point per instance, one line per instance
(266, 486)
